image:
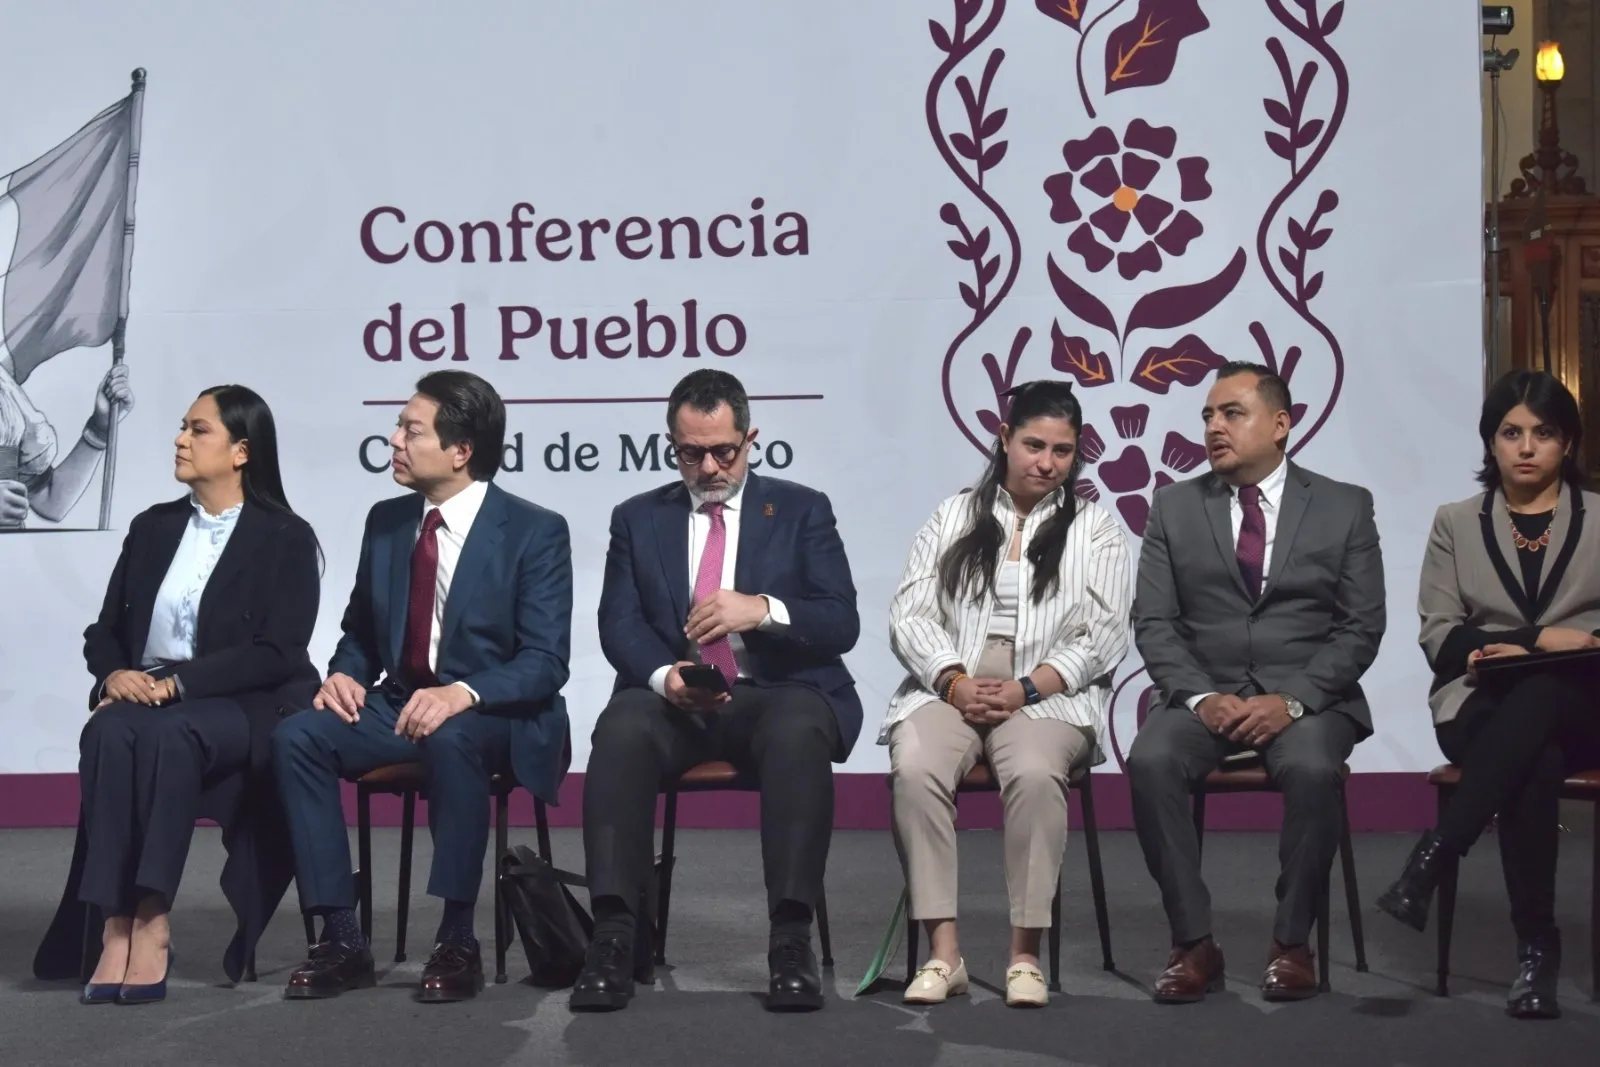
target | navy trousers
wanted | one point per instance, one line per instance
(141, 771)
(313, 750)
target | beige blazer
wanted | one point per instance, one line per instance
(1471, 576)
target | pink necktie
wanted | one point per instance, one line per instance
(1252, 546)
(708, 580)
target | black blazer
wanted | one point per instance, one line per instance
(255, 621)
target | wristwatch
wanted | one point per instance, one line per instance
(1030, 691)
(1296, 709)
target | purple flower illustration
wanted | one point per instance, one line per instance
(1123, 184)
(1129, 475)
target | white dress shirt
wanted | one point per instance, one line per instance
(1271, 504)
(1079, 629)
(457, 515)
(177, 607)
(777, 618)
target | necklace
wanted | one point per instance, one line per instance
(1530, 544)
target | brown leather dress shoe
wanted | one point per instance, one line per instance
(454, 972)
(1191, 973)
(332, 969)
(1290, 975)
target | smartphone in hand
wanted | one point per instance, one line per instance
(700, 676)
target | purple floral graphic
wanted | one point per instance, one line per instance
(970, 158)
(1123, 184)
(1300, 133)
(1129, 475)
(1141, 51)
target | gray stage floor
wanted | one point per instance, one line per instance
(705, 1011)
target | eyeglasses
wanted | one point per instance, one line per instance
(694, 455)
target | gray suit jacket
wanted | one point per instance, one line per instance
(1315, 628)
(1472, 593)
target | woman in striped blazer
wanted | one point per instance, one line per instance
(1012, 613)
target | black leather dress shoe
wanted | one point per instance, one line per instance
(796, 984)
(1533, 994)
(1408, 898)
(454, 972)
(606, 982)
(332, 968)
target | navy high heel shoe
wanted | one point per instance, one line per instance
(100, 993)
(148, 994)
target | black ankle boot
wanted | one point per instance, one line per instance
(1408, 898)
(1533, 994)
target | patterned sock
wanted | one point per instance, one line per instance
(456, 922)
(341, 925)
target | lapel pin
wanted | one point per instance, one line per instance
(766, 510)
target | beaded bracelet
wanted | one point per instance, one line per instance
(950, 687)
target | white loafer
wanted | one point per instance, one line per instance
(1025, 987)
(936, 982)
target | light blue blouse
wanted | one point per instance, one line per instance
(172, 624)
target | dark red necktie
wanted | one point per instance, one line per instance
(419, 604)
(1252, 547)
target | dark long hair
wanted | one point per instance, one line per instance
(1547, 398)
(247, 417)
(970, 564)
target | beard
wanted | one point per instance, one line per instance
(719, 489)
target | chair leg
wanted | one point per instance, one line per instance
(669, 828)
(364, 859)
(1199, 808)
(1594, 914)
(1352, 891)
(822, 928)
(541, 822)
(502, 932)
(913, 933)
(1447, 911)
(1324, 913)
(1055, 938)
(408, 825)
(1097, 880)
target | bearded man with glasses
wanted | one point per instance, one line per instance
(726, 607)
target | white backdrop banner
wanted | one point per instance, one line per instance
(878, 215)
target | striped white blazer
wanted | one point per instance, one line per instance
(1081, 628)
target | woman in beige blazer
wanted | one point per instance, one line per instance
(1011, 614)
(1513, 571)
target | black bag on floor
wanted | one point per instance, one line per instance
(554, 928)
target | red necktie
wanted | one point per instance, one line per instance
(419, 604)
(708, 580)
(1252, 547)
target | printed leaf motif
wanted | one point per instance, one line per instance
(1308, 133)
(980, 243)
(1296, 413)
(1067, 12)
(1330, 21)
(992, 124)
(1318, 238)
(1080, 301)
(1071, 355)
(969, 297)
(987, 272)
(1185, 363)
(1297, 234)
(1313, 285)
(941, 36)
(961, 249)
(1167, 309)
(1276, 141)
(963, 144)
(989, 421)
(993, 155)
(1277, 112)
(1290, 261)
(1144, 50)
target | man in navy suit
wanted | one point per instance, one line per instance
(746, 577)
(463, 603)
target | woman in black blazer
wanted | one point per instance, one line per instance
(1511, 571)
(200, 645)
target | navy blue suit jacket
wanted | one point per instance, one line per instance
(789, 548)
(507, 628)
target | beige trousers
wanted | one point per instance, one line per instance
(933, 748)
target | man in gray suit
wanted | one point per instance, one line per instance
(1259, 606)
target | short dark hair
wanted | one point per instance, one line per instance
(1271, 388)
(704, 390)
(471, 411)
(1547, 398)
